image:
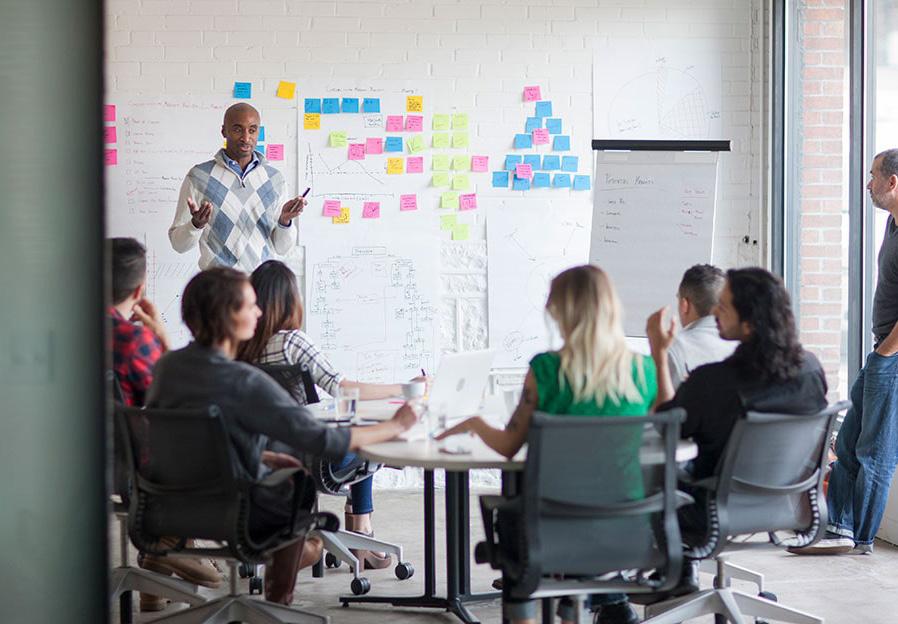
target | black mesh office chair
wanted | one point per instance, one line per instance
(584, 512)
(186, 485)
(769, 481)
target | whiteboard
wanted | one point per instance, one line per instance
(528, 245)
(653, 218)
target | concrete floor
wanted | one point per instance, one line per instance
(844, 590)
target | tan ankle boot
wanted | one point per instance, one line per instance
(369, 559)
(280, 574)
(197, 571)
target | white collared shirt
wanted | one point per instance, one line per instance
(698, 343)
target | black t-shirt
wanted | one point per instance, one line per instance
(715, 395)
(885, 299)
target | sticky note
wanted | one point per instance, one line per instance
(286, 90)
(356, 151)
(330, 106)
(440, 122)
(461, 232)
(532, 160)
(343, 217)
(461, 162)
(447, 222)
(371, 105)
(440, 178)
(569, 163)
(415, 144)
(449, 199)
(460, 121)
(261, 136)
(541, 136)
(532, 124)
(581, 183)
(561, 143)
(540, 180)
(414, 103)
(544, 109)
(331, 208)
(243, 90)
(109, 135)
(393, 144)
(561, 180)
(394, 123)
(337, 138)
(350, 105)
(374, 146)
(440, 140)
(274, 151)
(467, 201)
(414, 164)
(523, 171)
(440, 162)
(460, 182)
(480, 164)
(553, 125)
(110, 157)
(312, 105)
(371, 210)
(260, 148)
(500, 179)
(408, 202)
(510, 162)
(311, 121)
(520, 184)
(109, 112)
(460, 140)
(414, 123)
(523, 141)
(532, 94)
(395, 166)
(551, 162)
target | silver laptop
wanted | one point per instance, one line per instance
(461, 379)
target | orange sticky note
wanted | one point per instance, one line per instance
(286, 90)
(395, 166)
(414, 104)
(311, 121)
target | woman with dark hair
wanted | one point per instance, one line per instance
(219, 307)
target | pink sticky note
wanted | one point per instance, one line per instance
(394, 123)
(371, 210)
(541, 136)
(414, 164)
(109, 112)
(109, 135)
(467, 202)
(374, 146)
(331, 208)
(414, 123)
(110, 157)
(523, 171)
(274, 151)
(480, 164)
(532, 94)
(356, 151)
(408, 202)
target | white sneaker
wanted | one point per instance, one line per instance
(832, 544)
(862, 549)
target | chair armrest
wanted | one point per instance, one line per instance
(277, 477)
(490, 505)
(684, 499)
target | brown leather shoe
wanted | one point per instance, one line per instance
(149, 602)
(280, 573)
(197, 571)
(369, 559)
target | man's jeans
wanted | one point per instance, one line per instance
(867, 448)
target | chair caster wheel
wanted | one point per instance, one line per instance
(255, 585)
(245, 570)
(331, 561)
(766, 595)
(404, 571)
(360, 586)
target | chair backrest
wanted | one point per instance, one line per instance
(291, 377)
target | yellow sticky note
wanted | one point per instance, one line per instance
(460, 121)
(337, 139)
(460, 182)
(395, 166)
(448, 222)
(286, 89)
(440, 140)
(414, 104)
(415, 144)
(461, 232)
(441, 162)
(344, 215)
(449, 199)
(461, 162)
(441, 178)
(441, 122)
(311, 121)
(459, 140)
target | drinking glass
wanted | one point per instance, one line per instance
(346, 402)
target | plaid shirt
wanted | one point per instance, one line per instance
(293, 346)
(135, 351)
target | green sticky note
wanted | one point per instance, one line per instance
(449, 199)
(337, 139)
(461, 162)
(440, 178)
(441, 162)
(415, 144)
(460, 140)
(441, 122)
(461, 232)
(460, 182)
(448, 222)
(440, 140)
(460, 121)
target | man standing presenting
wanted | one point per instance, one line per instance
(230, 205)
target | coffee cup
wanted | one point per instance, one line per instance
(413, 390)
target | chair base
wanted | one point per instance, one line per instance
(125, 578)
(338, 544)
(733, 571)
(735, 606)
(242, 608)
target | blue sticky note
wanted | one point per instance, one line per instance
(243, 90)
(544, 109)
(532, 124)
(561, 180)
(554, 125)
(261, 134)
(520, 184)
(371, 105)
(500, 179)
(569, 163)
(561, 143)
(313, 105)
(532, 160)
(511, 161)
(330, 106)
(350, 105)
(393, 144)
(551, 162)
(523, 141)
(260, 148)
(581, 183)
(540, 180)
